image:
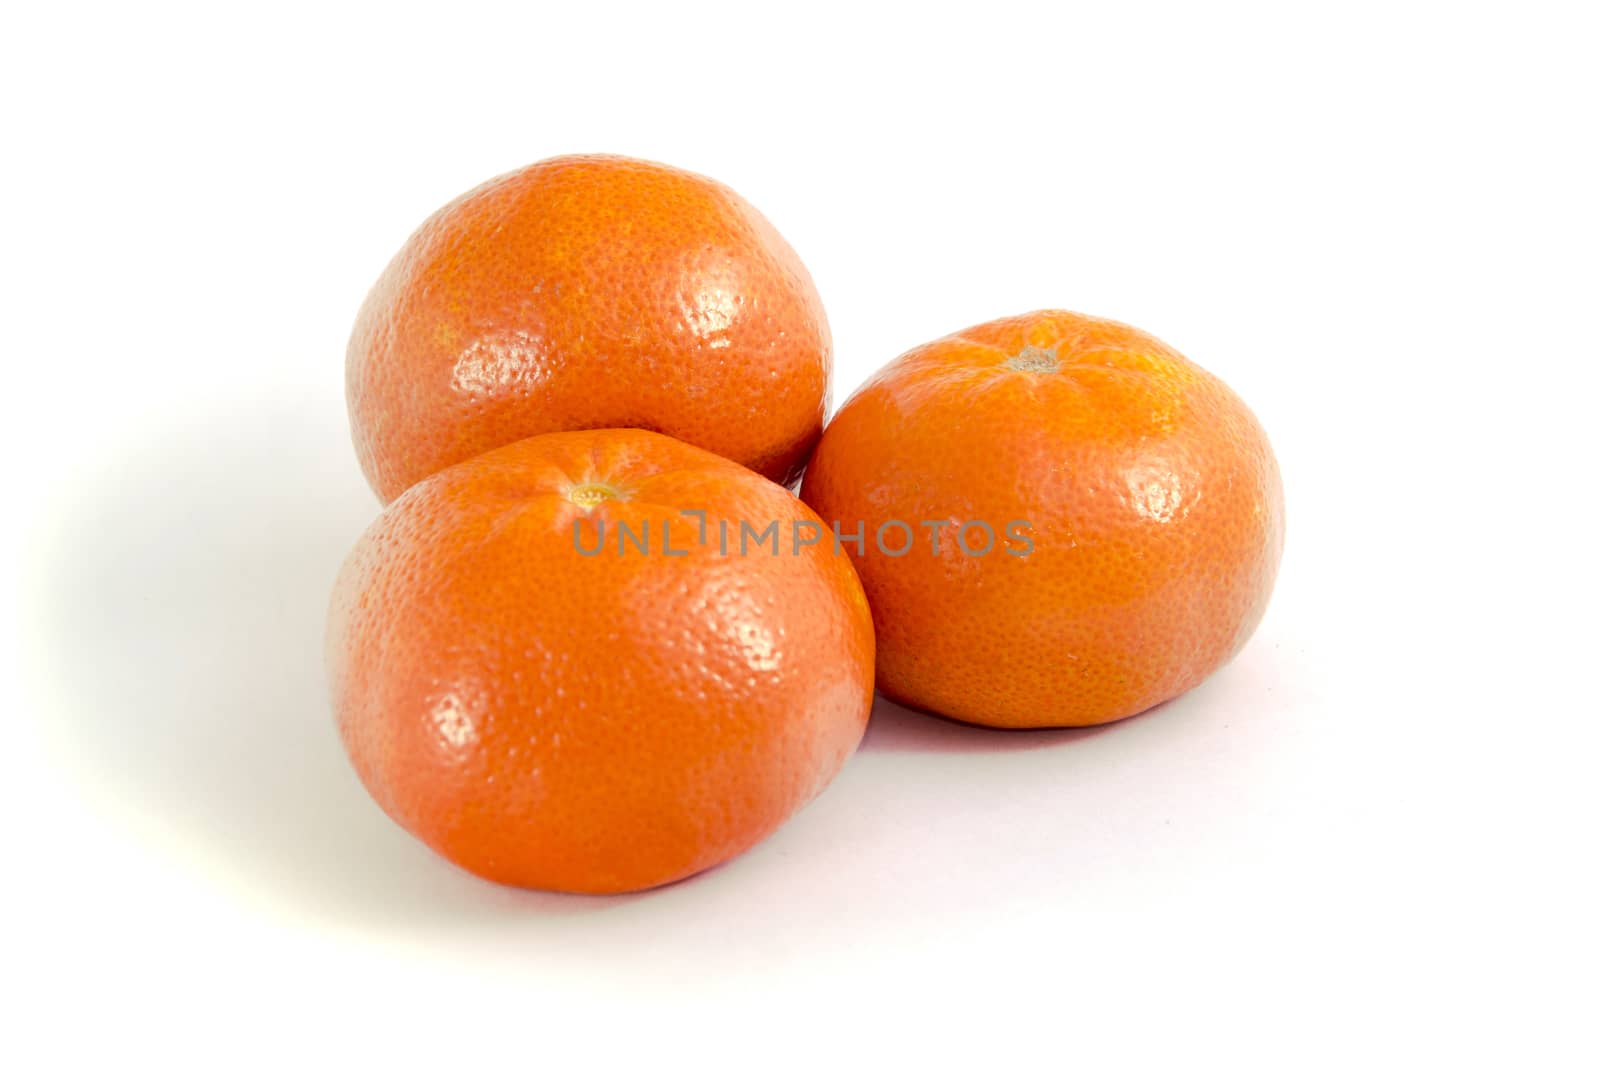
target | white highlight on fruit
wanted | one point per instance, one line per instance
(1156, 492)
(757, 643)
(710, 309)
(453, 723)
(490, 365)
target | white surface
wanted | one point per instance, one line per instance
(1370, 839)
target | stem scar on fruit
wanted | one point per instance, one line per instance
(589, 494)
(1035, 359)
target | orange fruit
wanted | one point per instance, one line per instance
(549, 699)
(586, 292)
(1133, 508)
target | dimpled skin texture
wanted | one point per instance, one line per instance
(1153, 501)
(601, 723)
(586, 292)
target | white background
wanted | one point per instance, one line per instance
(1370, 839)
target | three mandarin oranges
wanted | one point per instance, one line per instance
(594, 644)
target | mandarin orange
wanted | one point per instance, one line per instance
(586, 292)
(1098, 521)
(565, 664)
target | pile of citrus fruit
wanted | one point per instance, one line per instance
(595, 643)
